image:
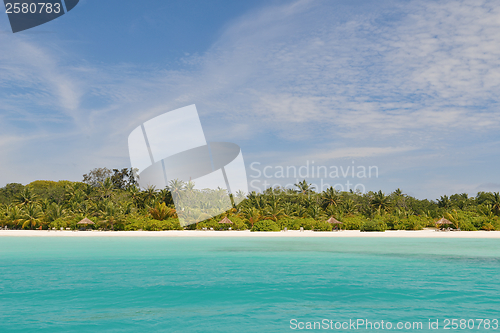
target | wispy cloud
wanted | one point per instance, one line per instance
(294, 78)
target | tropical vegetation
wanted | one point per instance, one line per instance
(113, 201)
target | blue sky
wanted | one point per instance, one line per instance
(408, 86)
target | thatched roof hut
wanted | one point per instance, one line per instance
(443, 221)
(225, 220)
(332, 220)
(85, 221)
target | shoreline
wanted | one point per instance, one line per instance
(247, 233)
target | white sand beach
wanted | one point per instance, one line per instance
(247, 233)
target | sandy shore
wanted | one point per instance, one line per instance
(246, 233)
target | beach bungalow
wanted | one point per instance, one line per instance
(442, 221)
(225, 220)
(334, 221)
(84, 223)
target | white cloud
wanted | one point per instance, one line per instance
(307, 75)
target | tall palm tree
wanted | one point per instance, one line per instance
(331, 197)
(53, 212)
(149, 195)
(314, 212)
(161, 211)
(189, 186)
(453, 218)
(107, 187)
(32, 216)
(486, 210)
(165, 196)
(304, 188)
(176, 187)
(252, 215)
(273, 213)
(380, 202)
(444, 202)
(300, 211)
(135, 195)
(240, 196)
(398, 193)
(3, 215)
(25, 197)
(14, 215)
(273, 210)
(108, 214)
(289, 208)
(495, 203)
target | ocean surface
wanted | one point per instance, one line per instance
(247, 285)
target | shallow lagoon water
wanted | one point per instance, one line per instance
(242, 284)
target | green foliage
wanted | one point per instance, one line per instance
(111, 199)
(149, 224)
(488, 226)
(239, 223)
(411, 223)
(8, 192)
(209, 224)
(374, 225)
(353, 222)
(265, 225)
(306, 223)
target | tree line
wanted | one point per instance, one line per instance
(113, 201)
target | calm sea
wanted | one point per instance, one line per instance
(246, 285)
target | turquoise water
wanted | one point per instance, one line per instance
(243, 285)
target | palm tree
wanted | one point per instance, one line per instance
(70, 191)
(301, 211)
(31, 216)
(444, 202)
(398, 193)
(189, 186)
(380, 202)
(349, 207)
(165, 196)
(289, 208)
(14, 215)
(495, 203)
(403, 212)
(149, 195)
(331, 197)
(486, 210)
(161, 212)
(54, 212)
(25, 197)
(3, 215)
(240, 196)
(273, 213)
(78, 197)
(176, 187)
(135, 195)
(304, 187)
(108, 214)
(126, 207)
(252, 215)
(107, 187)
(453, 218)
(87, 189)
(314, 212)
